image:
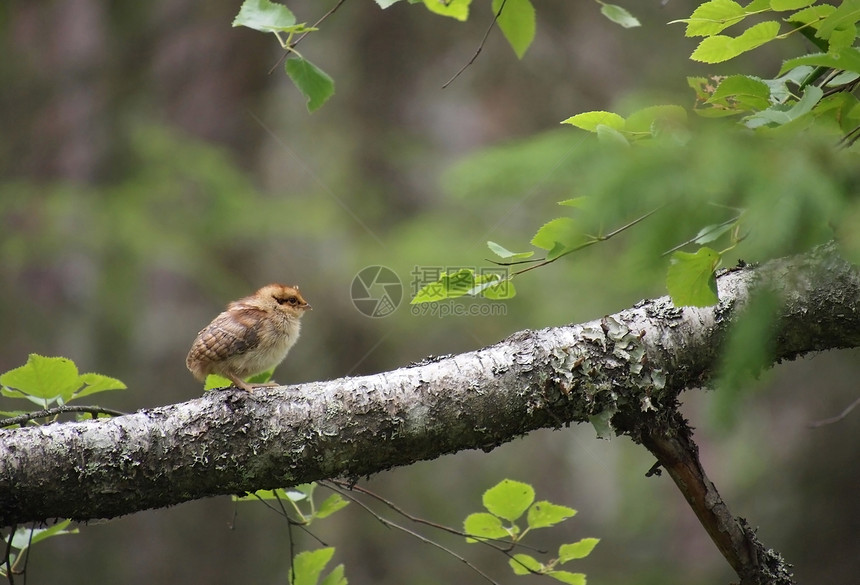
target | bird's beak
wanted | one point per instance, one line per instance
(308, 307)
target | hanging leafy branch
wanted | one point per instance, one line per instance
(515, 18)
(811, 94)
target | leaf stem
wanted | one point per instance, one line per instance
(592, 241)
(698, 236)
(416, 519)
(389, 524)
(292, 47)
(480, 46)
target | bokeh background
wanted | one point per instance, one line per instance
(152, 170)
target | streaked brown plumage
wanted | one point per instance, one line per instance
(253, 335)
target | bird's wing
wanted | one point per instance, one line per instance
(233, 332)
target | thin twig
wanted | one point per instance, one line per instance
(698, 236)
(591, 242)
(389, 524)
(513, 262)
(9, 576)
(834, 419)
(27, 553)
(286, 516)
(295, 43)
(480, 47)
(850, 138)
(292, 552)
(416, 519)
(22, 418)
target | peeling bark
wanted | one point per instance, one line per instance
(623, 373)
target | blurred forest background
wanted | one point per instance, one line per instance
(152, 171)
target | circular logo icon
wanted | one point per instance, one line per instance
(376, 291)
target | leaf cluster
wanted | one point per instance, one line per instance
(300, 499)
(812, 96)
(268, 17)
(48, 381)
(507, 503)
(515, 18)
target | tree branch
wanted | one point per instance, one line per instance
(676, 452)
(627, 368)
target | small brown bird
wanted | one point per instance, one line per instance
(253, 335)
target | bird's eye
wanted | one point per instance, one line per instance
(288, 300)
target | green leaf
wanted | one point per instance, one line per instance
(779, 92)
(215, 381)
(98, 383)
(609, 135)
(843, 78)
(562, 230)
(306, 489)
(845, 16)
(591, 120)
(710, 233)
(574, 202)
(543, 514)
(503, 252)
(313, 82)
(691, 280)
(742, 92)
(308, 565)
(336, 577)
(261, 378)
(847, 59)
(649, 120)
(330, 505)
(812, 16)
(517, 22)
(458, 9)
(783, 114)
(509, 499)
(264, 16)
(842, 38)
(25, 536)
(293, 494)
(484, 525)
(719, 48)
(567, 577)
(386, 3)
(496, 289)
(43, 378)
(523, 564)
(557, 251)
(619, 15)
(783, 5)
(712, 17)
(756, 35)
(576, 550)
